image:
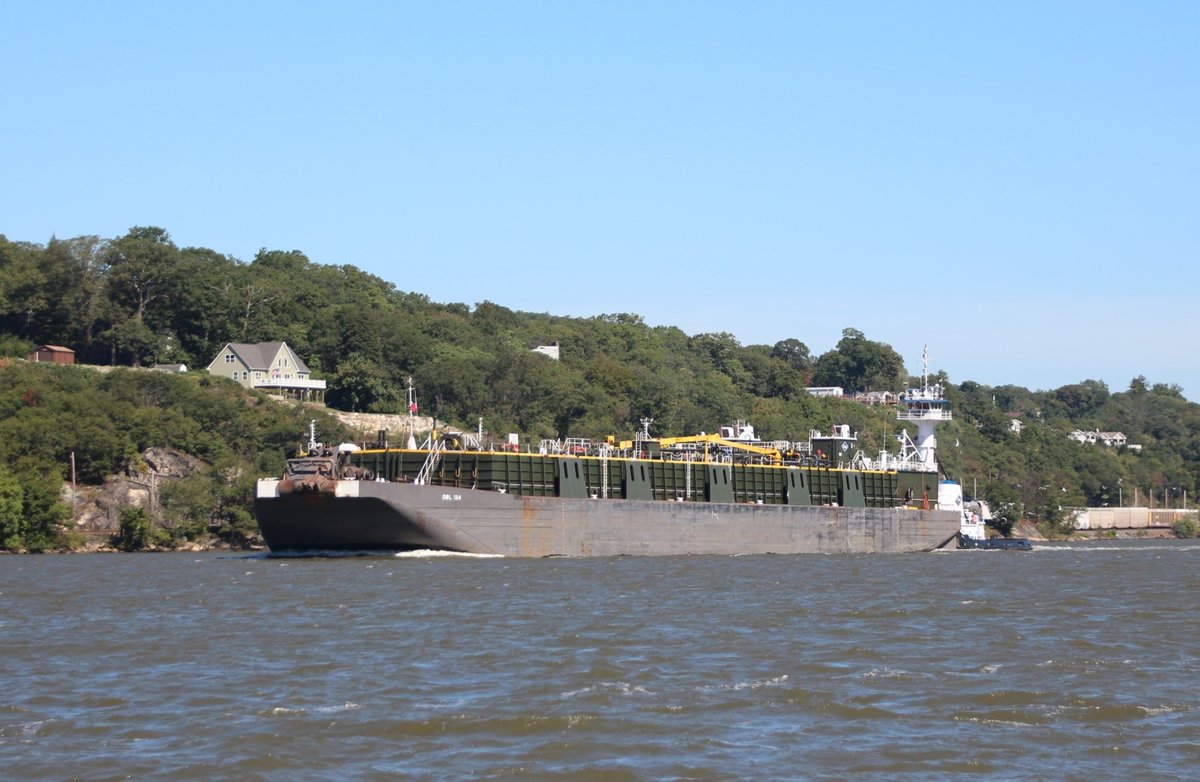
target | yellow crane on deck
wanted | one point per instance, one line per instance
(713, 439)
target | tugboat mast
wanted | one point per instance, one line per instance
(411, 402)
(926, 407)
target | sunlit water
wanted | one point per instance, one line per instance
(1068, 662)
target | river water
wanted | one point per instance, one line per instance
(1077, 661)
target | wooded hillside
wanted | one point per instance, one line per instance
(138, 299)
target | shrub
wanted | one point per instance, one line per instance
(137, 532)
(1186, 527)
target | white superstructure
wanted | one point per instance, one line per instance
(926, 407)
(950, 497)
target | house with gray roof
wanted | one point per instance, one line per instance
(272, 367)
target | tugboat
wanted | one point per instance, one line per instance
(926, 407)
(974, 518)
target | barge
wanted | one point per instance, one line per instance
(726, 493)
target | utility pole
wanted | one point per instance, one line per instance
(73, 511)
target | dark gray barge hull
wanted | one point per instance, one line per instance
(379, 516)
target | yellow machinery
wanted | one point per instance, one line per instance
(711, 439)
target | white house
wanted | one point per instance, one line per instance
(268, 366)
(1110, 439)
(550, 350)
(876, 397)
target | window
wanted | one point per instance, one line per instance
(229, 359)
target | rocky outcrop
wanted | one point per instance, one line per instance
(1028, 530)
(167, 463)
(97, 509)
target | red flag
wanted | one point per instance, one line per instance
(412, 407)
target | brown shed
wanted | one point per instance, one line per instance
(54, 354)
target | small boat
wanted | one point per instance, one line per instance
(975, 514)
(1001, 544)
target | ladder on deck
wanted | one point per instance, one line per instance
(431, 461)
(604, 471)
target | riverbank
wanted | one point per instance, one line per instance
(1030, 531)
(105, 546)
(1151, 533)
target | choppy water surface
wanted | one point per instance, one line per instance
(1070, 662)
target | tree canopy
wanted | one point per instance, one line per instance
(858, 364)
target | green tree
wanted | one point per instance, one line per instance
(142, 269)
(724, 352)
(858, 364)
(360, 385)
(13, 525)
(455, 385)
(24, 288)
(793, 352)
(75, 271)
(42, 505)
(205, 308)
(1083, 399)
(188, 506)
(1005, 505)
(136, 532)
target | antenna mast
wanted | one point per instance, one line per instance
(411, 399)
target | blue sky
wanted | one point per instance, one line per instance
(1015, 184)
